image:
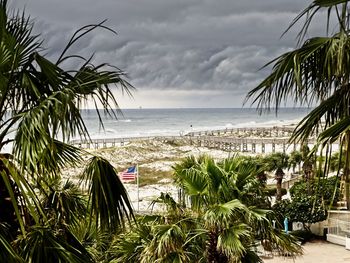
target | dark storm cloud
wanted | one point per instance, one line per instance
(175, 45)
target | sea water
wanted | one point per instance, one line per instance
(158, 122)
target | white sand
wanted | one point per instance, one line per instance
(317, 252)
(156, 155)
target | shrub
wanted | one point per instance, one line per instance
(303, 235)
(271, 191)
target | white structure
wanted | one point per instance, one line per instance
(339, 227)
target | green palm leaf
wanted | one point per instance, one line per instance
(43, 244)
(231, 240)
(8, 254)
(307, 74)
(107, 196)
(335, 132)
(220, 215)
(66, 202)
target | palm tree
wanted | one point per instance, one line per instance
(308, 163)
(39, 110)
(295, 159)
(262, 167)
(317, 72)
(277, 162)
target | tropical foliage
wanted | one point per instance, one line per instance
(309, 201)
(316, 73)
(295, 160)
(222, 222)
(306, 210)
(322, 188)
(39, 108)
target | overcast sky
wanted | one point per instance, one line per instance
(177, 53)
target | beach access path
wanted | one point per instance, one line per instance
(317, 252)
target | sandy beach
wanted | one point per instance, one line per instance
(317, 252)
(155, 159)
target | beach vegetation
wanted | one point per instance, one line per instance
(276, 162)
(315, 73)
(304, 209)
(295, 160)
(39, 109)
(309, 163)
(322, 188)
(222, 220)
(309, 201)
(151, 176)
(272, 190)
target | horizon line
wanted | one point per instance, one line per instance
(176, 108)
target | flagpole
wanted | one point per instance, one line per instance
(138, 185)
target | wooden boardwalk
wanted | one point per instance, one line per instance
(237, 140)
(285, 131)
(253, 145)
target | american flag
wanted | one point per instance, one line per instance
(129, 174)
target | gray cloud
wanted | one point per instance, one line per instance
(214, 48)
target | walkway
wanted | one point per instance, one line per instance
(317, 252)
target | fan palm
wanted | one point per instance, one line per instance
(277, 162)
(39, 112)
(295, 159)
(225, 196)
(317, 72)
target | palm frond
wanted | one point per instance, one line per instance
(66, 202)
(43, 243)
(220, 216)
(335, 132)
(326, 114)
(195, 185)
(308, 74)
(311, 11)
(22, 196)
(169, 238)
(231, 241)
(108, 198)
(8, 254)
(129, 246)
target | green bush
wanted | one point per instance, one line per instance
(271, 191)
(303, 235)
(323, 188)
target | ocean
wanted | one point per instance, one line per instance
(170, 122)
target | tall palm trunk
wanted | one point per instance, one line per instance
(279, 177)
(214, 256)
(346, 175)
(7, 214)
(343, 27)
